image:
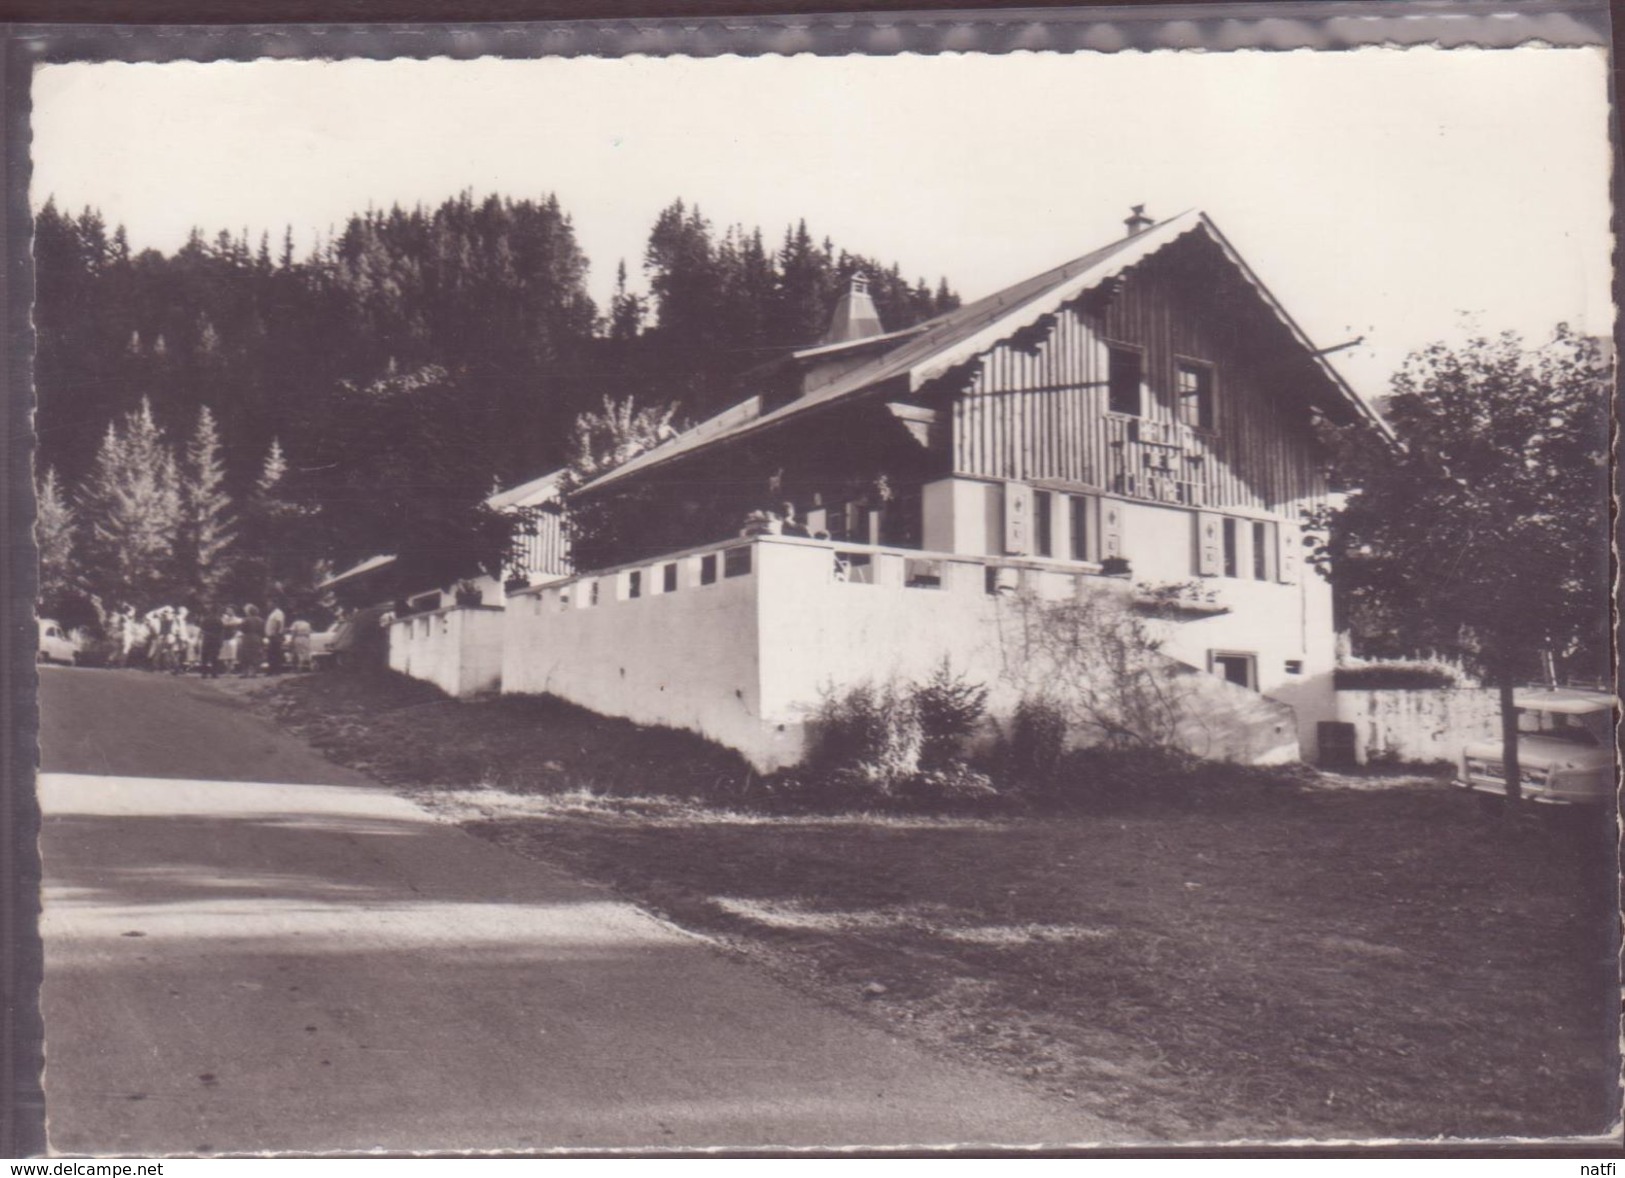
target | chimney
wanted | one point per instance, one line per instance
(855, 316)
(1137, 221)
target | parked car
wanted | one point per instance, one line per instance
(322, 654)
(1565, 749)
(55, 644)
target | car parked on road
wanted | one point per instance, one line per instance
(56, 645)
(322, 654)
(1565, 749)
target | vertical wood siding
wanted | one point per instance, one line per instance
(1037, 411)
(547, 552)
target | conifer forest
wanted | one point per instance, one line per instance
(238, 419)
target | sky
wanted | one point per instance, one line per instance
(1404, 196)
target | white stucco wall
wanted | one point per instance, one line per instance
(1276, 622)
(746, 660)
(459, 650)
(688, 659)
(1421, 725)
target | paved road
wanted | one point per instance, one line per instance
(248, 948)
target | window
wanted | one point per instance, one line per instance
(1231, 557)
(1235, 668)
(1261, 552)
(855, 568)
(922, 574)
(592, 593)
(1080, 526)
(1043, 517)
(1123, 381)
(634, 583)
(708, 569)
(736, 562)
(1195, 389)
(668, 578)
(1294, 666)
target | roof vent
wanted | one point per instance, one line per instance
(855, 316)
(1137, 221)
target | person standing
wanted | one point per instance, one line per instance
(228, 647)
(276, 625)
(211, 636)
(299, 639)
(250, 642)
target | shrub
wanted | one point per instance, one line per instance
(894, 744)
(867, 739)
(1032, 742)
(949, 709)
(1099, 661)
(953, 783)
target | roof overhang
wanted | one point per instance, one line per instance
(357, 571)
(976, 329)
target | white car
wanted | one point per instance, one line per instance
(1565, 749)
(55, 644)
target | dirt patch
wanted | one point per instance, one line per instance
(1319, 964)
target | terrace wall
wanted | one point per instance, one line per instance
(1419, 725)
(751, 635)
(458, 649)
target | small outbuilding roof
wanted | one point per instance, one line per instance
(940, 344)
(356, 571)
(543, 489)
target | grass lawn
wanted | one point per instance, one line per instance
(1311, 963)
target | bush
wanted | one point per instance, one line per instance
(899, 743)
(867, 739)
(949, 709)
(1032, 743)
(954, 784)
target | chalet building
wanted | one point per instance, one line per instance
(1142, 417)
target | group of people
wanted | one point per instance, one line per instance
(210, 641)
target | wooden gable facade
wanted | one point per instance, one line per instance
(1172, 386)
(1154, 372)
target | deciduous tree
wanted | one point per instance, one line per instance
(1484, 533)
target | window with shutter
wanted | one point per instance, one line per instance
(1082, 507)
(1043, 523)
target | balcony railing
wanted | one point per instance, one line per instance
(697, 569)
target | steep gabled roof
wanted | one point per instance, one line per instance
(536, 491)
(951, 339)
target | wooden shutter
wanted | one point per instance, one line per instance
(1111, 529)
(1290, 552)
(1018, 519)
(1209, 544)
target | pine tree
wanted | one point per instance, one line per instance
(207, 529)
(53, 534)
(272, 472)
(130, 505)
(626, 310)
